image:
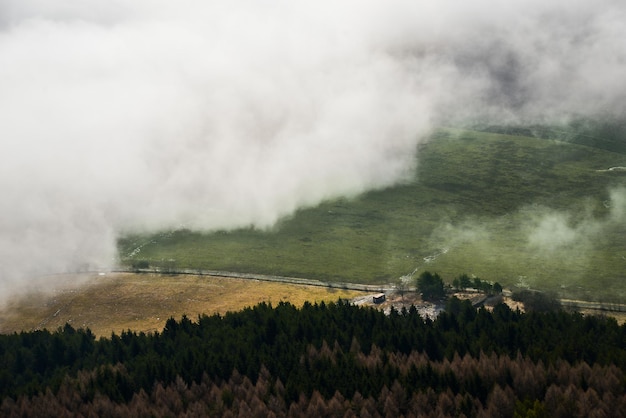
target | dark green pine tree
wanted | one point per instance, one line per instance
(430, 285)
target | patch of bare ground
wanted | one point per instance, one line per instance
(143, 302)
(620, 317)
(432, 309)
(399, 301)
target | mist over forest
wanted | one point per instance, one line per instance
(145, 116)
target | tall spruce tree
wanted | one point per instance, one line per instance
(430, 285)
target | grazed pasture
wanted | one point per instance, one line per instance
(515, 209)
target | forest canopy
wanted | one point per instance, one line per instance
(335, 358)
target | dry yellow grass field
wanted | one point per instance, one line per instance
(143, 302)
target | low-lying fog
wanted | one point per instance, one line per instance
(145, 115)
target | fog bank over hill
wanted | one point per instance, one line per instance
(147, 115)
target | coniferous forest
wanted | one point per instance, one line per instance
(335, 360)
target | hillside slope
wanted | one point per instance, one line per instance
(519, 210)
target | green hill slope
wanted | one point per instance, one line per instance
(519, 210)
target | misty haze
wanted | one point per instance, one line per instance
(123, 120)
(373, 208)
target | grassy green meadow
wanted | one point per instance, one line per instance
(514, 209)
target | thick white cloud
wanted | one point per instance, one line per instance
(217, 114)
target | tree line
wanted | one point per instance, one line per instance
(432, 287)
(325, 357)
